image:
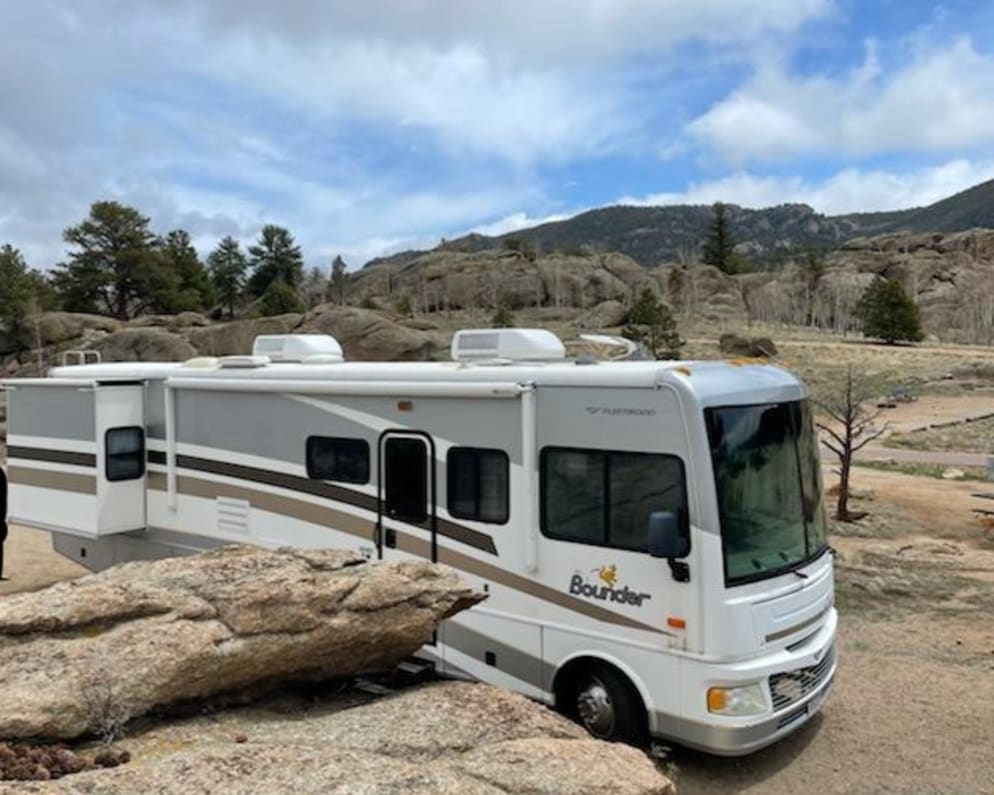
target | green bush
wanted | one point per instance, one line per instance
(280, 299)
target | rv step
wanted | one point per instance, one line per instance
(414, 671)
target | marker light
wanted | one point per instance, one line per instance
(745, 700)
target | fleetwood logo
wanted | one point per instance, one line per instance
(608, 575)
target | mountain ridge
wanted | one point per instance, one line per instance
(657, 234)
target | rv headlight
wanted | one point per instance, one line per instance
(745, 700)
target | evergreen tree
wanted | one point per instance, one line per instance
(813, 268)
(651, 323)
(313, 287)
(15, 290)
(275, 257)
(719, 247)
(116, 267)
(194, 290)
(338, 285)
(888, 313)
(280, 299)
(503, 318)
(227, 267)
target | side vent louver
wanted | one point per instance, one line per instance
(508, 344)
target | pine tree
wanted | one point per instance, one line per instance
(275, 257)
(813, 267)
(280, 299)
(338, 285)
(888, 313)
(719, 247)
(15, 290)
(194, 290)
(503, 318)
(116, 268)
(651, 323)
(227, 267)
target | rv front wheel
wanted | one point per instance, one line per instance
(608, 706)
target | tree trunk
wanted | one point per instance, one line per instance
(842, 507)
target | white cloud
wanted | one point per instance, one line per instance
(940, 99)
(850, 190)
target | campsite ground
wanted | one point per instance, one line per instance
(911, 712)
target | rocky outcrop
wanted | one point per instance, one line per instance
(144, 345)
(737, 345)
(58, 327)
(230, 339)
(366, 335)
(85, 656)
(440, 738)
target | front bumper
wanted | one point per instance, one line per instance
(742, 740)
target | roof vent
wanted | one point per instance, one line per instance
(242, 362)
(306, 348)
(516, 344)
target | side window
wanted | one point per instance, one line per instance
(334, 458)
(124, 453)
(405, 479)
(606, 498)
(478, 484)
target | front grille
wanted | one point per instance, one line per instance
(791, 686)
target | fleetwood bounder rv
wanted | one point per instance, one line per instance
(651, 534)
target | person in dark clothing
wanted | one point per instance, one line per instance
(3, 516)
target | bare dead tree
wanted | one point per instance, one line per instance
(853, 427)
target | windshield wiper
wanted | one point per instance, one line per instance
(801, 574)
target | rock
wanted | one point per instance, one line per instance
(85, 656)
(448, 737)
(368, 335)
(737, 345)
(58, 327)
(183, 320)
(228, 339)
(953, 474)
(144, 345)
(607, 314)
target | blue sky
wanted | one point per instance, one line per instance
(374, 126)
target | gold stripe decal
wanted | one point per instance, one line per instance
(46, 479)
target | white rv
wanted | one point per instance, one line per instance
(651, 534)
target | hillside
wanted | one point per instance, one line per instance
(654, 235)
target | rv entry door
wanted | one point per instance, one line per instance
(406, 494)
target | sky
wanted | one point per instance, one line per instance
(374, 126)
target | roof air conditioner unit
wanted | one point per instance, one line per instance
(514, 344)
(306, 348)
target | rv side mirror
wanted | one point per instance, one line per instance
(665, 538)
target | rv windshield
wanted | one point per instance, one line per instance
(768, 478)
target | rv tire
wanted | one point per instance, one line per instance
(607, 705)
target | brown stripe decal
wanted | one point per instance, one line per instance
(413, 545)
(46, 479)
(783, 633)
(318, 488)
(52, 456)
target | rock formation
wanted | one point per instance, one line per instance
(85, 656)
(449, 737)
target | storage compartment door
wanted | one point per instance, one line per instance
(121, 478)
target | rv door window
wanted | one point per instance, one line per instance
(124, 453)
(478, 484)
(405, 463)
(339, 459)
(606, 498)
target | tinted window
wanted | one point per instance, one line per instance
(405, 465)
(124, 453)
(606, 498)
(332, 458)
(478, 484)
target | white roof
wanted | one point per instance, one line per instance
(711, 382)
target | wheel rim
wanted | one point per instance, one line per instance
(595, 707)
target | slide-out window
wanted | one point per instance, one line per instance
(478, 484)
(336, 458)
(606, 498)
(124, 453)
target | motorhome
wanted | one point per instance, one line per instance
(651, 534)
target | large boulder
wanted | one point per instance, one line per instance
(607, 314)
(85, 656)
(143, 345)
(736, 345)
(451, 737)
(230, 339)
(55, 328)
(367, 335)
